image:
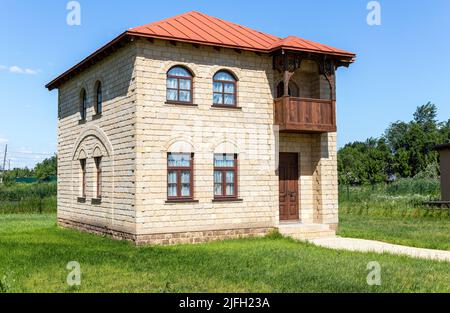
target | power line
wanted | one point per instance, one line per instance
(33, 153)
(4, 163)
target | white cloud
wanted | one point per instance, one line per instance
(3, 140)
(19, 70)
(30, 71)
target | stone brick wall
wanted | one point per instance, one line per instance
(113, 133)
(204, 130)
(200, 236)
(138, 128)
(326, 180)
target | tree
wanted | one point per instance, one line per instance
(426, 114)
(364, 162)
(405, 150)
(46, 169)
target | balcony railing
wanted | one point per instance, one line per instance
(305, 115)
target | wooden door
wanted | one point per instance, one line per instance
(288, 180)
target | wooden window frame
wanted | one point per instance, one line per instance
(179, 170)
(98, 103)
(98, 167)
(83, 164)
(223, 170)
(177, 77)
(223, 93)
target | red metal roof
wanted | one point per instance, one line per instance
(199, 28)
(204, 29)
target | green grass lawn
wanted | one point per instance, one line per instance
(423, 232)
(395, 213)
(34, 253)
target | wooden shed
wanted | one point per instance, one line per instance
(444, 151)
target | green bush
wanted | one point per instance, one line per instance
(26, 198)
(403, 198)
(424, 187)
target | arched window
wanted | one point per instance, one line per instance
(83, 104)
(224, 89)
(293, 89)
(179, 85)
(98, 98)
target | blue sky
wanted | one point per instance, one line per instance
(401, 64)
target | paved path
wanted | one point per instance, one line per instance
(364, 245)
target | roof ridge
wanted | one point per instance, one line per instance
(161, 21)
(209, 19)
(236, 24)
(200, 28)
(209, 32)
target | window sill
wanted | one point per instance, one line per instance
(96, 116)
(188, 104)
(181, 201)
(218, 106)
(96, 201)
(81, 199)
(81, 122)
(227, 200)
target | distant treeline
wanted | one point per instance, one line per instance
(43, 171)
(405, 150)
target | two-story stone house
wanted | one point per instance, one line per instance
(193, 128)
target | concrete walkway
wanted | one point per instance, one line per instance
(364, 245)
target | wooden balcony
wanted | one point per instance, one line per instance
(303, 115)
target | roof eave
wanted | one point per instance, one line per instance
(86, 61)
(347, 55)
(171, 38)
(346, 58)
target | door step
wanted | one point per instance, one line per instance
(301, 231)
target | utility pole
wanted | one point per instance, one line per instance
(4, 163)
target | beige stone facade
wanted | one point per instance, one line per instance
(137, 129)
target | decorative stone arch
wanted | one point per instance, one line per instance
(102, 147)
(83, 85)
(225, 146)
(98, 77)
(191, 67)
(236, 72)
(98, 151)
(81, 154)
(96, 132)
(180, 144)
